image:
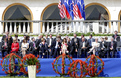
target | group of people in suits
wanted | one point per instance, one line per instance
(53, 47)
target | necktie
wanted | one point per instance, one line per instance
(5, 45)
(111, 44)
(33, 44)
(115, 36)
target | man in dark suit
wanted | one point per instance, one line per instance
(33, 47)
(49, 43)
(69, 45)
(112, 47)
(103, 48)
(116, 36)
(82, 36)
(74, 45)
(90, 40)
(57, 47)
(38, 41)
(5, 36)
(46, 37)
(9, 41)
(83, 47)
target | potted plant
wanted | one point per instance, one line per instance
(31, 61)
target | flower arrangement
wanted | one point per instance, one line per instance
(78, 69)
(11, 64)
(30, 59)
(63, 64)
(93, 65)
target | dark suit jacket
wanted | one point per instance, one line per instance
(105, 44)
(117, 38)
(4, 36)
(37, 43)
(81, 44)
(54, 44)
(43, 46)
(3, 45)
(114, 45)
(31, 46)
(89, 41)
(48, 41)
(9, 43)
(74, 43)
(69, 46)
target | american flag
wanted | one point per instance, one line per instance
(75, 8)
(61, 6)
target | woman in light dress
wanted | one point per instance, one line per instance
(95, 46)
(64, 46)
(24, 47)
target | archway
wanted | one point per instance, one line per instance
(50, 12)
(17, 11)
(97, 11)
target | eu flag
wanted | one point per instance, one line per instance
(70, 4)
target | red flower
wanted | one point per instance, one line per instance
(54, 60)
(52, 63)
(6, 73)
(1, 61)
(62, 64)
(37, 56)
(2, 69)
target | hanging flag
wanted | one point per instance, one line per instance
(75, 8)
(70, 4)
(62, 8)
(67, 9)
(81, 9)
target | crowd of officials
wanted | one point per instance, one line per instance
(52, 47)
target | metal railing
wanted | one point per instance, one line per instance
(61, 26)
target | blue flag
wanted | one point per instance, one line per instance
(70, 4)
(81, 9)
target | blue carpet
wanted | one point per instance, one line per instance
(112, 68)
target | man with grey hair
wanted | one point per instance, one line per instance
(112, 48)
(74, 45)
(56, 45)
(83, 47)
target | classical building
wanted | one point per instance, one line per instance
(36, 13)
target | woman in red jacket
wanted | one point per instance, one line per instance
(15, 46)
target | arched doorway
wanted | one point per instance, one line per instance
(17, 11)
(97, 11)
(119, 23)
(50, 12)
